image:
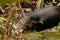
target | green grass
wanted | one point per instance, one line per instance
(42, 36)
(6, 1)
(10, 1)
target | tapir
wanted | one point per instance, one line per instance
(42, 19)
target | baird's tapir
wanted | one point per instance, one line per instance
(43, 19)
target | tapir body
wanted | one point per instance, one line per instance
(45, 14)
(44, 18)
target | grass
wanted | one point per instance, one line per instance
(42, 36)
(34, 35)
(10, 1)
(6, 1)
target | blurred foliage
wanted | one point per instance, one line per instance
(11, 1)
(40, 4)
(2, 19)
(59, 24)
(45, 35)
(6, 1)
(24, 1)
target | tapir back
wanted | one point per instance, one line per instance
(46, 17)
(46, 13)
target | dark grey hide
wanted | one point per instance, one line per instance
(44, 18)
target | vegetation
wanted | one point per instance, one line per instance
(7, 24)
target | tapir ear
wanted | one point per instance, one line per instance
(41, 22)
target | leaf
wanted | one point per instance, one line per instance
(2, 19)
